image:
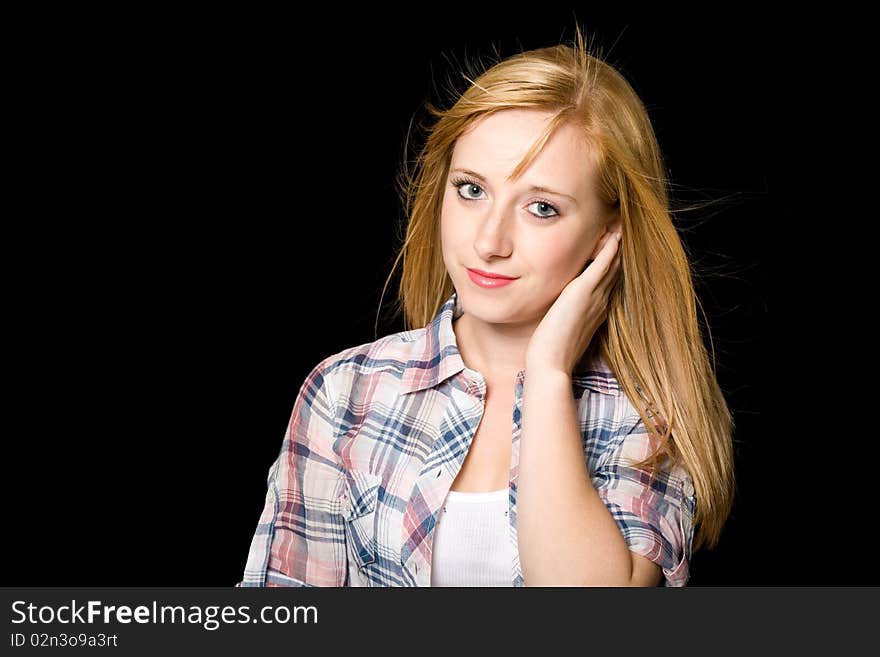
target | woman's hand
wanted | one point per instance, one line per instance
(564, 334)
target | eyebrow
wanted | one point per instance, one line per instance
(533, 188)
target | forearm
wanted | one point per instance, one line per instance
(566, 534)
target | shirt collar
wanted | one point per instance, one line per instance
(435, 357)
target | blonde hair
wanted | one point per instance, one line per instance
(651, 338)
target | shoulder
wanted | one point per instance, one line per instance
(605, 411)
(386, 358)
(614, 432)
(604, 404)
(593, 373)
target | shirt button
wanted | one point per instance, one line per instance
(688, 488)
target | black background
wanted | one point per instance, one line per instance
(203, 208)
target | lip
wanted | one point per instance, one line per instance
(487, 280)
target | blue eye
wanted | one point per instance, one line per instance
(546, 205)
(461, 183)
(470, 184)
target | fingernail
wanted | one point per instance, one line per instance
(619, 236)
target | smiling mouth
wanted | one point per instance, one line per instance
(486, 281)
(486, 274)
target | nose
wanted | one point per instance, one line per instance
(494, 238)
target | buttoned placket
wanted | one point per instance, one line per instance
(476, 388)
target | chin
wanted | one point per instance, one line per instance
(498, 310)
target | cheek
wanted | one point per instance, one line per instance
(446, 232)
(560, 259)
(453, 229)
(450, 233)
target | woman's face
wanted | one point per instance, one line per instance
(543, 238)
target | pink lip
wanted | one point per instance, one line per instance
(487, 280)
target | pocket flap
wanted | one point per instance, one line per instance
(361, 493)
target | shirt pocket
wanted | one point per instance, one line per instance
(359, 502)
(304, 536)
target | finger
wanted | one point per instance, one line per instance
(606, 256)
(611, 275)
(597, 270)
(606, 252)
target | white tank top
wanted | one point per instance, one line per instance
(472, 545)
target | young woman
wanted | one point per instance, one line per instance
(553, 417)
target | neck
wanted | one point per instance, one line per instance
(497, 351)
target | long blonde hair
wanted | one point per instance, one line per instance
(651, 338)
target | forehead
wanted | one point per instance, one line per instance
(496, 143)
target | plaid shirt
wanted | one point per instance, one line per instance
(379, 432)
